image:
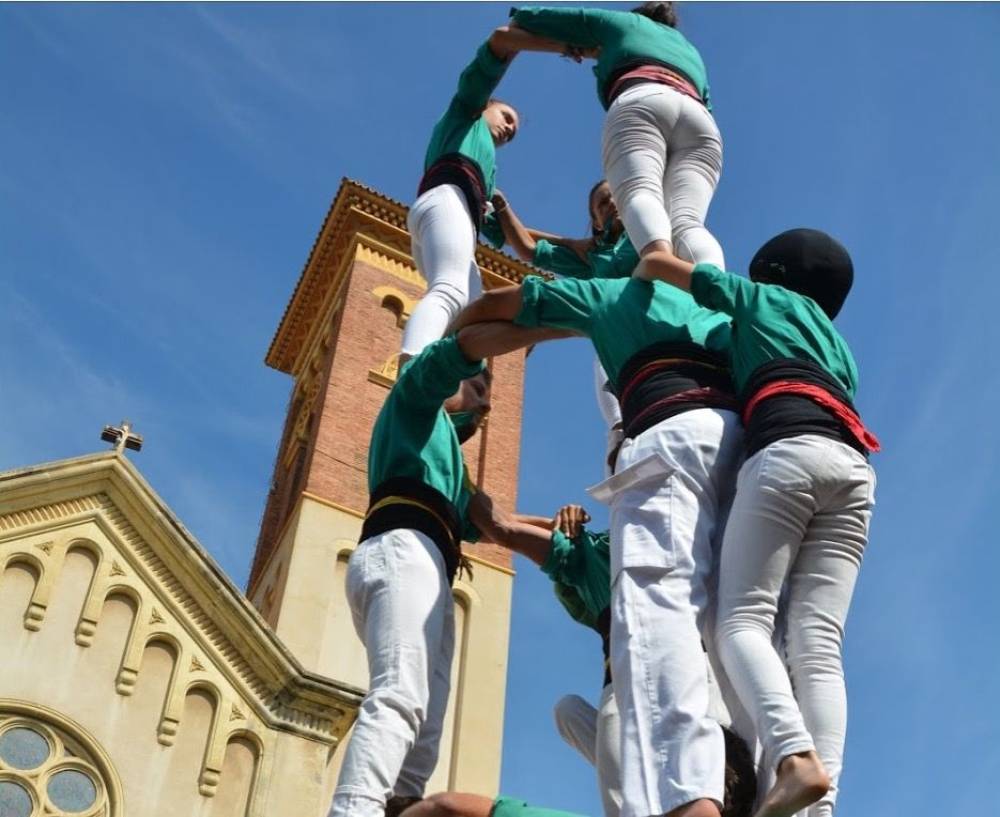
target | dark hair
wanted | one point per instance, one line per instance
(596, 229)
(664, 13)
(741, 777)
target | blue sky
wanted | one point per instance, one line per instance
(165, 170)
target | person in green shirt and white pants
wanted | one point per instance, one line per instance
(578, 562)
(457, 184)
(399, 577)
(804, 499)
(668, 359)
(608, 253)
(662, 150)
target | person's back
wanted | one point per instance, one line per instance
(400, 575)
(626, 40)
(799, 521)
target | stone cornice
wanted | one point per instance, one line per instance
(360, 223)
(108, 490)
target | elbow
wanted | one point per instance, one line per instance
(525, 251)
(500, 43)
(500, 304)
(468, 344)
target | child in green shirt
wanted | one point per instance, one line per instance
(458, 182)
(803, 504)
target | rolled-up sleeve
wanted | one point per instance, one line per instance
(722, 291)
(560, 260)
(565, 304)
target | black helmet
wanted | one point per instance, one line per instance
(809, 262)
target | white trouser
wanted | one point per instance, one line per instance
(595, 734)
(800, 518)
(662, 158)
(404, 613)
(607, 403)
(443, 245)
(665, 502)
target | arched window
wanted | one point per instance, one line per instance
(47, 771)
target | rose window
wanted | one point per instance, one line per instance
(44, 772)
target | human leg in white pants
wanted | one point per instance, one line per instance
(609, 751)
(443, 243)
(661, 535)
(423, 757)
(576, 722)
(596, 735)
(802, 510)
(404, 614)
(662, 155)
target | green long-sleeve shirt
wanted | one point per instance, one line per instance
(622, 316)
(414, 437)
(623, 36)
(463, 129)
(607, 259)
(771, 323)
(580, 568)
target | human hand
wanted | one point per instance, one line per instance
(570, 519)
(578, 53)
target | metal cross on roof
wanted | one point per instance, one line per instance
(121, 437)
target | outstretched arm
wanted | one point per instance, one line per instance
(508, 530)
(524, 240)
(521, 239)
(483, 340)
(508, 40)
(667, 267)
(500, 304)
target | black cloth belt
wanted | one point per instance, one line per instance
(433, 515)
(466, 175)
(666, 379)
(792, 415)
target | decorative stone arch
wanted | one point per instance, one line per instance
(23, 557)
(87, 545)
(397, 302)
(34, 613)
(52, 762)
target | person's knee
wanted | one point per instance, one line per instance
(409, 707)
(814, 646)
(567, 714)
(452, 296)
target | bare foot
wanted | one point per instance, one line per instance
(802, 781)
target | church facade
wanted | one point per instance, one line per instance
(139, 681)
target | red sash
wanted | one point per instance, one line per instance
(821, 397)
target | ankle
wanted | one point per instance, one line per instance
(809, 769)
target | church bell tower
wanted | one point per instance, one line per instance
(339, 340)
